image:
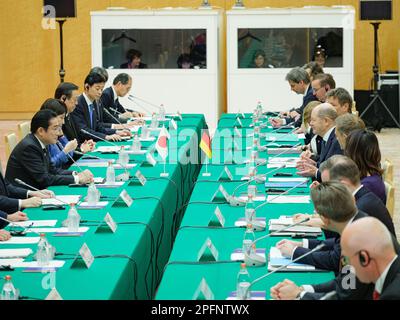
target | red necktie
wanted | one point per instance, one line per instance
(376, 295)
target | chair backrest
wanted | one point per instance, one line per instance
(11, 142)
(390, 189)
(354, 109)
(23, 129)
(387, 166)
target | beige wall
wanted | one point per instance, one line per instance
(29, 55)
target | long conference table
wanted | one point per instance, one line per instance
(183, 272)
(129, 263)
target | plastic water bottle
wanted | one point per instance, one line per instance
(73, 219)
(9, 292)
(259, 109)
(136, 145)
(162, 113)
(145, 132)
(154, 121)
(248, 240)
(44, 252)
(249, 210)
(110, 175)
(92, 195)
(243, 283)
(123, 157)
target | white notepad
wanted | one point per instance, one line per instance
(36, 223)
(288, 199)
(61, 200)
(21, 240)
(15, 253)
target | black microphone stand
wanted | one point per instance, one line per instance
(62, 71)
(376, 98)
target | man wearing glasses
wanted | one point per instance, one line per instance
(321, 84)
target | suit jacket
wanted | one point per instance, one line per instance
(107, 101)
(391, 286)
(332, 147)
(369, 203)
(29, 163)
(81, 118)
(328, 258)
(69, 128)
(3, 223)
(308, 97)
(10, 195)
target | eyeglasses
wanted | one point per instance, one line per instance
(315, 90)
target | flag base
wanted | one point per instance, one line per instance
(164, 174)
(206, 174)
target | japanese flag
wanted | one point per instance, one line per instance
(161, 145)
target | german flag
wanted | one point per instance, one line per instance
(205, 144)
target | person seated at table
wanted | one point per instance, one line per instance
(4, 235)
(109, 100)
(305, 125)
(340, 99)
(62, 152)
(343, 169)
(362, 147)
(369, 248)
(321, 85)
(313, 69)
(345, 124)
(14, 198)
(30, 162)
(299, 81)
(323, 124)
(134, 60)
(14, 217)
(85, 116)
(335, 215)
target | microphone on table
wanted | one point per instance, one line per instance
(36, 189)
(253, 259)
(119, 122)
(289, 125)
(96, 136)
(69, 156)
(285, 151)
(131, 98)
(19, 233)
(279, 195)
(283, 267)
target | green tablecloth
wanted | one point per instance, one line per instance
(183, 274)
(156, 208)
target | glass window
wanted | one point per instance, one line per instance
(288, 48)
(155, 48)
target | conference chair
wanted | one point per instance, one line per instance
(23, 129)
(11, 142)
(390, 190)
(387, 167)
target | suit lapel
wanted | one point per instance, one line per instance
(394, 269)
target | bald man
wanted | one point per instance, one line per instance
(368, 246)
(323, 124)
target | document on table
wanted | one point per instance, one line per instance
(127, 166)
(116, 184)
(13, 263)
(283, 160)
(61, 200)
(279, 164)
(276, 260)
(107, 149)
(98, 205)
(288, 199)
(34, 264)
(58, 230)
(36, 223)
(290, 179)
(15, 253)
(21, 240)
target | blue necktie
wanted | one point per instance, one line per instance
(91, 115)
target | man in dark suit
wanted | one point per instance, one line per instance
(321, 85)
(336, 215)
(30, 161)
(368, 247)
(109, 100)
(299, 81)
(323, 124)
(85, 116)
(343, 169)
(68, 93)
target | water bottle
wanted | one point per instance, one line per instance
(73, 219)
(110, 175)
(92, 194)
(259, 109)
(252, 164)
(43, 252)
(162, 113)
(249, 210)
(154, 121)
(9, 292)
(136, 145)
(145, 132)
(123, 157)
(248, 240)
(243, 283)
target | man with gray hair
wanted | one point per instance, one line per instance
(323, 124)
(341, 100)
(299, 81)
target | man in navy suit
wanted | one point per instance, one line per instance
(299, 81)
(323, 124)
(335, 215)
(368, 247)
(321, 85)
(109, 100)
(85, 115)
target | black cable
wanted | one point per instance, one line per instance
(135, 268)
(28, 298)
